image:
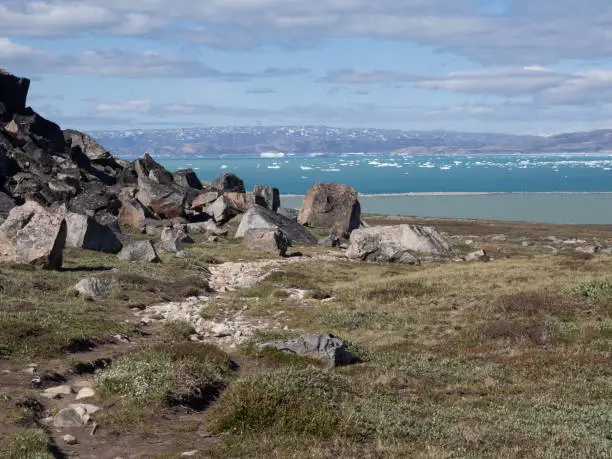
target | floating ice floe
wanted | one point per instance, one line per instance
(271, 154)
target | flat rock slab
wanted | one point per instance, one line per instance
(400, 244)
(328, 348)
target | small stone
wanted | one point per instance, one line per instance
(184, 255)
(213, 239)
(70, 440)
(189, 453)
(94, 288)
(57, 392)
(86, 392)
(76, 415)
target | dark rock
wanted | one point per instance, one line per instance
(291, 214)
(139, 251)
(401, 244)
(86, 233)
(166, 201)
(32, 235)
(187, 178)
(267, 197)
(93, 200)
(261, 218)
(6, 204)
(13, 93)
(229, 182)
(328, 348)
(263, 240)
(331, 206)
(161, 176)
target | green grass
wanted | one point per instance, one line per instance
(26, 444)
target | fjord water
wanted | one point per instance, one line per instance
(562, 188)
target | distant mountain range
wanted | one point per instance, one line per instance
(215, 141)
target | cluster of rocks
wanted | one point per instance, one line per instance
(61, 188)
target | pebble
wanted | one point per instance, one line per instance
(189, 453)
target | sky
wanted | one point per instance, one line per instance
(510, 66)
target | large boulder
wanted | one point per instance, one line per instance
(258, 217)
(133, 215)
(165, 200)
(267, 197)
(85, 232)
(241, 202)
(222, 210)
(326, 347)
(203, 200)
(271, 241)
(291, 214)
(13, 93)
(229, 182)
(139, 251)
(331, 206)
(401, 244)
(187, 178)
(33, 235)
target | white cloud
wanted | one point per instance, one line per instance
(126, 64)
(529, 32)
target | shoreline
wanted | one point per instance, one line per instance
(465, 193)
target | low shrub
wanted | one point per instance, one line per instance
(297, 402)
(177, 374)
(26, 444)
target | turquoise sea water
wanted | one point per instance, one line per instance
(544, 188)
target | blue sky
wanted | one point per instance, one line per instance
(515, 66)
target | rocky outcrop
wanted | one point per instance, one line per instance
(261, 218)
(267, 196)
(204, 200)
(401, 244)
(86, 233)
(333, 207)
(262, 240)
(13, 94)
(139, 251)
(328, 348)
(222, 210)
(33, 235)
(164, 200)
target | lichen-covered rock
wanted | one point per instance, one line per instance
(259, 217)
(267, 196)
(86, 233)
(139, 251)
(271, 241)
(93, 287)
(33, 235)
(331, 206)
(327, 347)
(400, 244)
